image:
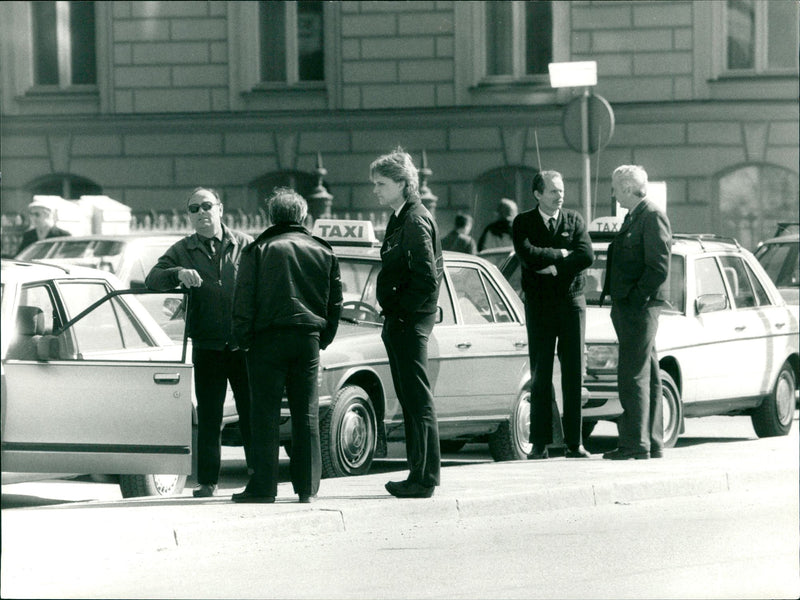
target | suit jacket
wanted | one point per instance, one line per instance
(459, 242)
(638, 258)
(30, 236)
(537, 248)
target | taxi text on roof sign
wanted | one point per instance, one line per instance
(609, 224)
(339, 232)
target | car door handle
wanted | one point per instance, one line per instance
(740, 328)
(780, 325)
(520, 344)
(464, 345)
(167, 378)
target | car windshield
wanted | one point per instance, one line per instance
(360, 304)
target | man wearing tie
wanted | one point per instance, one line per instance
(554, 249)
(637, 279)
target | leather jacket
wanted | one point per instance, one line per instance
(412, 266)
(288, 280)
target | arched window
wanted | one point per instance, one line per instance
(753, 199)
(69, 187)
(513, 183)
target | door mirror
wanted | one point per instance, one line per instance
(710, 303)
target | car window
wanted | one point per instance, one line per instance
(708, 279)
(359, 294)
(71, 249)
(594, 277)
(761, 294)
(35, 316)
(145, 259)
(446, 304)
(108, 328)
(677, 283)
(500, 309)
(738, 281)
(471, 296)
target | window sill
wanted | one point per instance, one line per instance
(284, 97)
(55, 100)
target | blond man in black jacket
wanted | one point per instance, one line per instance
(286, 308)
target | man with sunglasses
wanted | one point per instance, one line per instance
(206, 263)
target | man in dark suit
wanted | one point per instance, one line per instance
(459, 240)
(554, 248)
(637, 279)
(43, 225)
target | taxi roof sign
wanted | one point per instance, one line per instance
(342, 232)
(606, 224)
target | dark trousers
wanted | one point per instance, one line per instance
(641, 426)
(213, 369)
(275, 362)
(548, 320)
(407, 346)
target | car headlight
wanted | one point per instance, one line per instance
(603, 357)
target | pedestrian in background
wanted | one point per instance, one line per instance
(206, 263)
(554, 249)
(498, 233)
(286, 308)
(408, 292)
(459, 239)
(43, 225)
(637, 279)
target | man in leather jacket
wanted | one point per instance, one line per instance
(286, 308)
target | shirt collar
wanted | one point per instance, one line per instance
(546, 217)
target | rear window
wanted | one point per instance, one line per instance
(780, 261)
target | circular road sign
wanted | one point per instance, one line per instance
(601, 123)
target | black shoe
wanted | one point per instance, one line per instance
(205, 490)
(307, 498)
(405, 489)
(620, 454)
(577, 452)
(538, 453)
(247, 497)
(656, 454)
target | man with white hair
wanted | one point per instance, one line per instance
(43, 224)
(637, 279)
(286, 308)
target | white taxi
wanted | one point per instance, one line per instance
(91, 383)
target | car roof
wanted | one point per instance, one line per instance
(19, 270)
(114, 237)
(782, 239)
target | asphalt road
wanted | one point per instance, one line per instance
(699, 432)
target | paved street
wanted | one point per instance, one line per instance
(80, 548)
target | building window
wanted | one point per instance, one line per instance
(762, 37)
(518, 39)
(291, 42)
(64, 43)
(753, 199)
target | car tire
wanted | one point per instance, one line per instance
(451, 445)
(348, 434)
(511, 440)
(673, 409)
(135, 486)
(774, 416)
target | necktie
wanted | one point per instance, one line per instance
(552, 224)
(212, 247)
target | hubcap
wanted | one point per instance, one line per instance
(355, 436)
(784, 398)
(165, 484)
(523, 424)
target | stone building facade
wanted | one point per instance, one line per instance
(159, 97)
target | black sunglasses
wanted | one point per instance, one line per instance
(206, 206)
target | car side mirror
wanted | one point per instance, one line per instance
(710, 303)
(439, 314)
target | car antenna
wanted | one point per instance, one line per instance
(536, 140)
(596, 171)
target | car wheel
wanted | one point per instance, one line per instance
(134, 486)
(451, 445)
(511, 441)
(348, 434)
(673, 409)
(774, 416)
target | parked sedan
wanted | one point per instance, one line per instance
(728, 345)
(780, 257)
(91, 383)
